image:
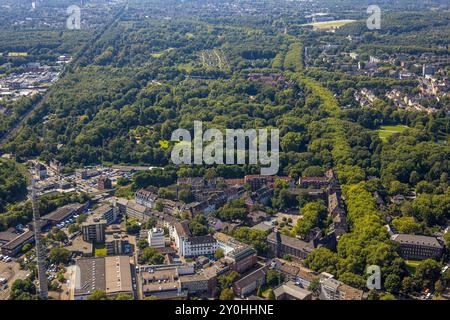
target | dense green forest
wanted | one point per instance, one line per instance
(13, 183)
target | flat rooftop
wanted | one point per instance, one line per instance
(118, 274)
(110, 274)
(160, 280)
(18, 240)
(62, 213)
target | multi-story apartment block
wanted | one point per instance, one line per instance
(332, 289)
(146, 198)
(192, 246)
(107, 212)
(200, 246)
(241, 256)
(248, 284)
(116, 244)
(280, 245)
(156, 238)
(94, 230)
(418, 247)
(104, 183)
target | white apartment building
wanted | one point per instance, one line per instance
(189, 246)
(200, 246)
(156, 238)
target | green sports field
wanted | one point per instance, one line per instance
(385, 132)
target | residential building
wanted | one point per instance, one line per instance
(106, 212)
(313, 182)
(156, 238)
(256, 181)
(428, 70)
(83, 174)
(136, 211)
(291, 291)
(189, 245)
(332, 289)
(195, 283)
(117, 244)
(294, 272)
(418, 247)
(280, 245)
(181, 233)
(95, 226)
(250, 283)
(94, 230)
(200, 246)
(104, 183)
(146, 198)
(199, 183)
(241, 256)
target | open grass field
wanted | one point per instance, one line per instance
(411, 266)
(159, 54)
(329, 24)
(386, 131)
(99, 250)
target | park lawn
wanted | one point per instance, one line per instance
(164, 144)
(384, 132)
(125, 192)
(329, 24)
(264, 291)
(159, 54)
(99, 250)
(411, 266)
(17, 54)
(185, 67)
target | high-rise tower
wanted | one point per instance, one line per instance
(40, 250)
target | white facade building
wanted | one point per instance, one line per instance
(200, 246)
(156, 238)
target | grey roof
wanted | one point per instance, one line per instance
(63, 212)
(90, 276)
(111, 274)
(102, 210)
(136, 207)
(291, 242)
(201, 240)
(18, 240)
(291, 289)
(8, 235)
(252, 277)
(417, 240)
(182, 229)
